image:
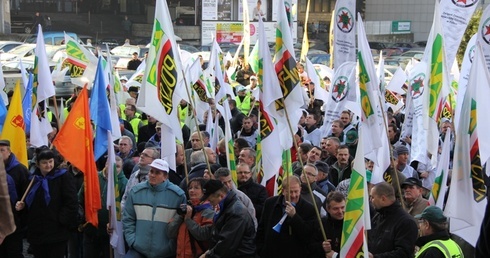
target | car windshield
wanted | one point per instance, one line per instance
(21, 49)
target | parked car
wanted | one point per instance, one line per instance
(319, 58)
(404, 47)
(53, 38)
(378, 45)
(6, 46)
(19, 52)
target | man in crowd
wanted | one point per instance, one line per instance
(292, 237)
(134, 62)
(412, 194)
(341, 169)
(224, 175)
(149, 208)
(332, 224)
(197, 143)
(147, 156)
(434, 240)
(256, 192)
(330, 148)
(233, 233)
(402, 162)
(322, 177)
(312, 133)
(393, 231)
(309, 175)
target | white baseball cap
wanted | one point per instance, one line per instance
(160, 164)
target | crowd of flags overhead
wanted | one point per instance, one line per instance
(168, 78)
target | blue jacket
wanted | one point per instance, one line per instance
(147, 213)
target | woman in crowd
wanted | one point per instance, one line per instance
(51, 206)
(192, 224)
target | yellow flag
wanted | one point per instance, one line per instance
(14, 127)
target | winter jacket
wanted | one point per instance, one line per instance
(146, 215)
(295, 233)
(257, 193)
(233, 232)
(393, 233)
(192, 233)
(50, 223)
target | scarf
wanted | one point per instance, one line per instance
(42, 181)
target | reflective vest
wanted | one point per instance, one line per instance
(244, 106)
(183, 112)
(448, 247)
(135, 124)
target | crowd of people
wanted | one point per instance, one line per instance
(197, 210)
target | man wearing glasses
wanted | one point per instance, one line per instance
(142, 168)
(256, 192)
(149, 207)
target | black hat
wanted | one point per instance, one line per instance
(412, 181)
(5, 143)
(211, 187)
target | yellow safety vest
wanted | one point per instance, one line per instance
(183, 113)
(135, 123)
(448, 247)
(244, 106)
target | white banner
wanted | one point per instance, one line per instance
(455, 16)
(344, 35)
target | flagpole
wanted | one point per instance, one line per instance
(56, 111)
(302, 171)
(111, 252)
(392, 159)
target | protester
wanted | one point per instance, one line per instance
(393, 231)
(412, 195)
(233, 233)
(256, 192)
(51, 206)
(434, 240)
(149, 207)
(294, 234)
(192, 225)
(96, 239)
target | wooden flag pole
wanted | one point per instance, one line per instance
(302, 171)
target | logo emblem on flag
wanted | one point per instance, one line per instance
(17, 121)
(417, 85)
(80, 123)
(345, 21)
(340, 89)
(471, 53)
(485, 30)
(464, 3)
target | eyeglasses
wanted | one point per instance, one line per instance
(243, 172)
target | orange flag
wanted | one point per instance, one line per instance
(74, 142)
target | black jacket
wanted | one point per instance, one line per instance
(257, 193)
(295, 234)
(47, 224)
(393, 233)
(333, 231)
(19, 174)
(233, 232)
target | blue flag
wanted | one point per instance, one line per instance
(3, 114)
(27, 104)
(99, 111)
